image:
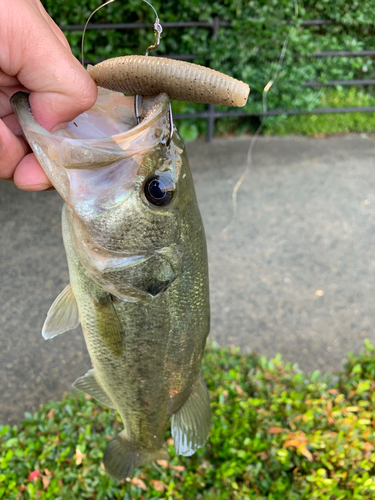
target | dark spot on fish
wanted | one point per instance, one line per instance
(75, 124)
(156, 288)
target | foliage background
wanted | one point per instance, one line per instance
(276, 433)
(247, 49)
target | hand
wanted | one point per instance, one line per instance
(36, 57)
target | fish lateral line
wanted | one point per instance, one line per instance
(106, 204)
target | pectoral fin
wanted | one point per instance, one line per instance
(62, 316)
(89, 385)
(191, 423)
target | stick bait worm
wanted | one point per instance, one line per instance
(183, 81)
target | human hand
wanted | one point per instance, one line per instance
(36, 57)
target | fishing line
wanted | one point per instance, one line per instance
(153, 8)
(249, 159)
(87, 22)
(158, 30)
(157, 27)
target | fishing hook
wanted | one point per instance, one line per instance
(158, 30)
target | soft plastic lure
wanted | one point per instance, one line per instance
(149, 76)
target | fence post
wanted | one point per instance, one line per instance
(211, 108)
(211, 122)
(215, 27)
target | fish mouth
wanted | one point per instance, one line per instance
(106, 133)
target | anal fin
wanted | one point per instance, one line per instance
(89, 385)
(62, 315)
(191, 423)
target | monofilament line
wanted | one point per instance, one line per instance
(153, 8)
(266, 89)
(87, 22)
(94, 12)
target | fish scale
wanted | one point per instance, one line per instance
(138, 273)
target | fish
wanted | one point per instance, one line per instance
(137, 259)
(136, 251)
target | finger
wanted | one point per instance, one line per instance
(5, 107)
(63, 102)
(7, 80)
(5, 95)
(61, 88)
(17, 162)
(60, 35)
(12, 150)
(29, 175)
(14, 126)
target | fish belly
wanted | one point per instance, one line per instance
(146, 355)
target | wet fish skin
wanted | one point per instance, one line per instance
(139, 279)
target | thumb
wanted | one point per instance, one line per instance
(38, 54)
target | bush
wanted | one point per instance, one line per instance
(276, 433)
(249, 48)
(332, 123)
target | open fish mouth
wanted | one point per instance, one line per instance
(98, 164)
(107, 135)
(109, 128)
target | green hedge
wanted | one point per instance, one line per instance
(248, 49)
(323, 124)
(277, 433)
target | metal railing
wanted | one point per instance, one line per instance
(211, 114)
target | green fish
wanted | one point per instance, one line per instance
(137, 259)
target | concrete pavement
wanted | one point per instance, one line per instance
(294, 272)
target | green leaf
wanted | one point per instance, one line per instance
(188, 131)
(31, 490)
(363, 386)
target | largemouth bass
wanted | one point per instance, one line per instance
(137, 260)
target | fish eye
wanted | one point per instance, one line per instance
(159, 190)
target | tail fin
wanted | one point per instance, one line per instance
(121, 457)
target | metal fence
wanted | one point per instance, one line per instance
(211, 114)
